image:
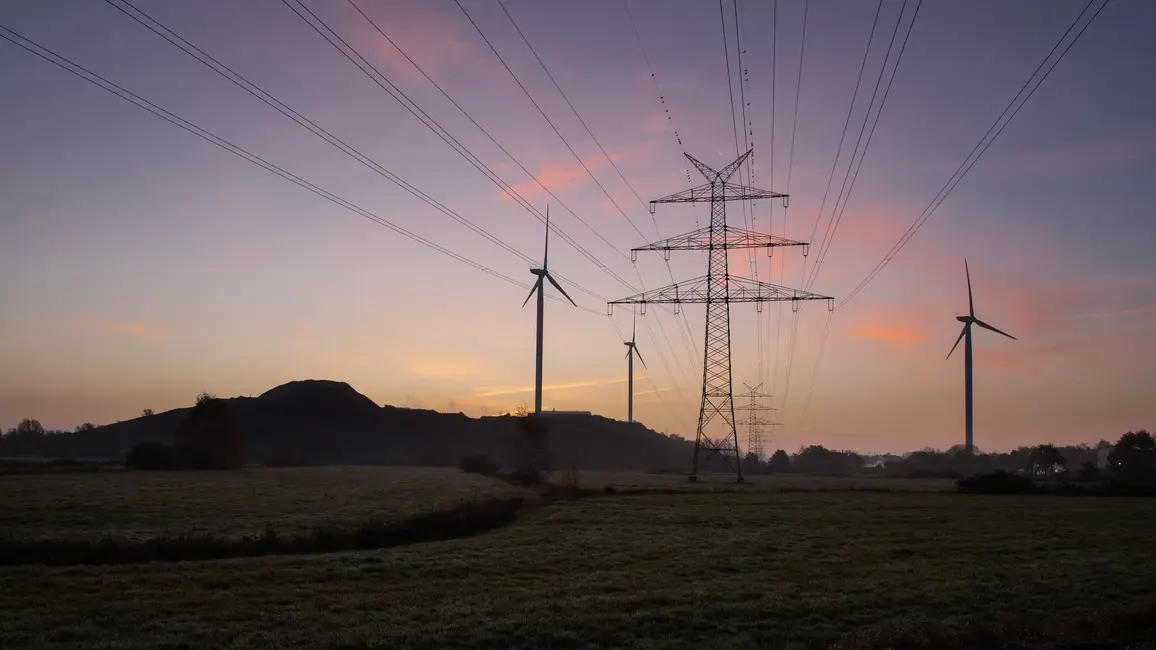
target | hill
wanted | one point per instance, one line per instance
(327, 422)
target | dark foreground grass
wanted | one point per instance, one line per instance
(462, 520)
(646, 571)
(292, 502)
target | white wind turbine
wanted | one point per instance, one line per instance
(543, 274)
(965, 335)
(631, 352)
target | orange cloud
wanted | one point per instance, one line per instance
(132, 329)
(900, 336)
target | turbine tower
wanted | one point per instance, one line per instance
(965, 335)
(631, 352)
(718, 289)
(543, 274)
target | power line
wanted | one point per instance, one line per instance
(545, 117)
(569, 147)
(838, 218)
(109, 86)
(847, 122)
(818, 362)
(965, 166)
(609, 159)
(685, 332)
(240, 81)
(398, 95)
(551, 124)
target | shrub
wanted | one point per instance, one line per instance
(478, 464)
(997, 482)
(150, 455)
(528, 476)
(208, 438)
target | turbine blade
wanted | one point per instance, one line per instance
(634, 327)
(546, 252)
(961, 333)
(628, 350)
(559, 288)
(997, 331)
(970, 301)
(635, 350)
(537, 286)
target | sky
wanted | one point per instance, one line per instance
(143, 265)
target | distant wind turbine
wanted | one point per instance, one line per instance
(968, 321)
(543, 274)
(631, 352)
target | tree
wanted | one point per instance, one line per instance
(1089, 471)
(208, 437)
(1133, 459)
(149, 455)
(1046, 459)
(29, 427)
(780, 461)
(146, 413)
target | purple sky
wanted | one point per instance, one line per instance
(142, 265)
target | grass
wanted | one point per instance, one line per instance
(138, 506)
(640, 482)
(714, 570)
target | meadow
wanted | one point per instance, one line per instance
(757, 567)
(139, 505)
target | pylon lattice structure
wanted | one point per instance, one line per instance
(718, 289)
(754, 422)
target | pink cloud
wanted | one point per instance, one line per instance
(433, 42)
(558, 175)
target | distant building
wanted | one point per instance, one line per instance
(557, 412)
(1102, 457)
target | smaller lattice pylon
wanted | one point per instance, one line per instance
(754, 422)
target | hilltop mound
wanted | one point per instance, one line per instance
(317, 395)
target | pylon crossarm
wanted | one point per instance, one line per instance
(738, 290)
(705, 193)
(700, 240)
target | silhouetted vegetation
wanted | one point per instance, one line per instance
(997, 482)
(479, 464)
(461, 521)
(150, 455)
(208, 438)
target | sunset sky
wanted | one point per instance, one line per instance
(142, 265)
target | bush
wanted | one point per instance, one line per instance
(208, 438)
(150, 455)
(478, 464)
(528, 476)
(997, 482)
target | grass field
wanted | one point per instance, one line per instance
(716, 570)
(641, 482)
(137, 505)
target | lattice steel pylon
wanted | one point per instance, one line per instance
(753, 421)
(718, 289)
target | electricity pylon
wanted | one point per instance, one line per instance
(718, 289)
(753, 421)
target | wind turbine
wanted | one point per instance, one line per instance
(631, 352)
(543, 274)
(968, 321)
